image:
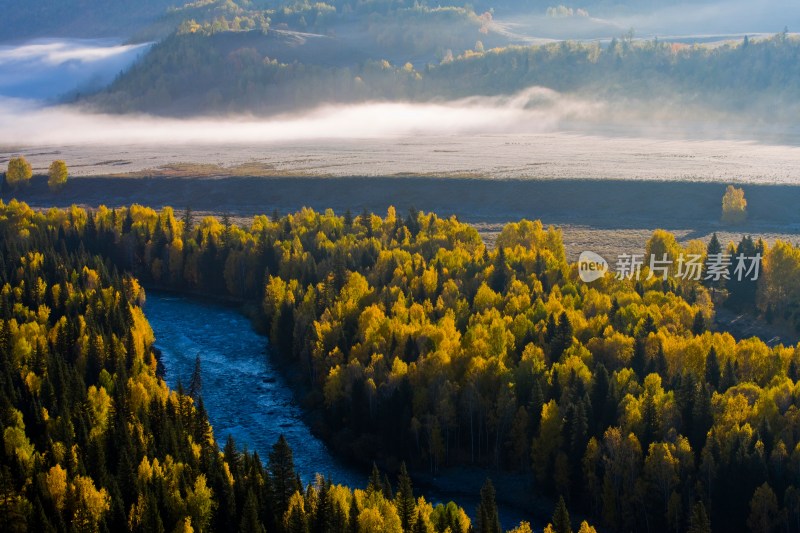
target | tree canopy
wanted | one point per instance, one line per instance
(734, 206)
(57, 175)
(417, 343)
(19, 172)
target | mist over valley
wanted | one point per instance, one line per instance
(393, 266)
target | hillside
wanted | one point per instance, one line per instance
(197, 72)
(269, 56)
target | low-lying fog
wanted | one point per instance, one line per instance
(531, 111)
(537, 133)
(49, 69)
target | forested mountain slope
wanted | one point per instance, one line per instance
(233, 72)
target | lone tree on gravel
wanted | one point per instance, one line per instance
(19, 172)
(734, 206)
(57, 175)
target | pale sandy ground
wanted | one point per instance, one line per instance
(670, 153)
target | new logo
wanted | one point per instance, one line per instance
(591, 266)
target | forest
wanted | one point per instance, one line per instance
(235, 71)
(420, 345)
(414, 345)
(265, 57)
(153, 17)
(93, 440)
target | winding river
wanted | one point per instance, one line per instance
(246, 396)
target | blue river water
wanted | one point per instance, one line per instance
(246, 396)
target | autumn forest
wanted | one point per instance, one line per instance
(419, 346)
(285, 351)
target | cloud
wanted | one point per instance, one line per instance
(47, 69)
(533, 110)
(56, 52)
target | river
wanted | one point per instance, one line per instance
(246, 396)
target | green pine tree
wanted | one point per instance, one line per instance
(323, 512)
(297, 521)
(699, 521)
(406, 505)
(488, 518)
(713, 373)
(284, 479)
(353, 515)
(699, 324)
(375, 481)
(420, 526)
(250, 522)
(561, 522)
(196, 382)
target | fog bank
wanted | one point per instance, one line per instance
(47, 69)
(533, 110)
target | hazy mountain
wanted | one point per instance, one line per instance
(78, 18)
(241, 72)
(264, 56)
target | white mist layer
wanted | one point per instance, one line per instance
(530, 111)
(49, 68)
(56, 52)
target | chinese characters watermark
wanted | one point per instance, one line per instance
(715, 268)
